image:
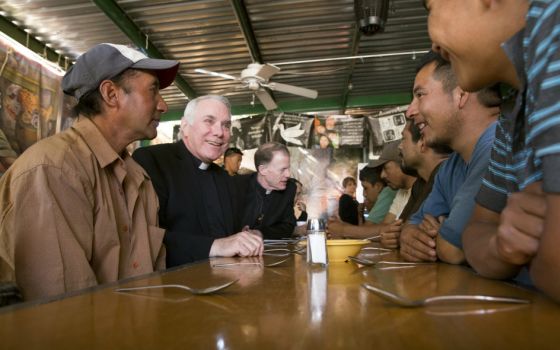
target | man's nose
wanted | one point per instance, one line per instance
(412, 109)
(161, 105)
(217, 129)
(436, 48)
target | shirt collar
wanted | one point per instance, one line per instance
(513, 49)
(95, 140)
(259, 188)
(197, 162)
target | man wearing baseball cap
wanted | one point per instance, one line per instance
(75, 209)
(389, 171)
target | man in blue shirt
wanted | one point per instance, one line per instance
(515, 223)
(448, 115)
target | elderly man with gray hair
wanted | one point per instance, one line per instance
(196, 196)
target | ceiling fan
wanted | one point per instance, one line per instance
(256, 78)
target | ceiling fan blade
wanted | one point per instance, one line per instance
(215, 74)
(266, 71)
(291, 89)
(266, 99)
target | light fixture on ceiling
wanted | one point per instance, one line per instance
(371, 15)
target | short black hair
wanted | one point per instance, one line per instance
(442, 72)
(371, 175)
(231, 151)
(414, 130)
(488, 97)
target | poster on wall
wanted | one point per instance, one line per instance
(30, 101)
(248, 133)
(388, 126)
(336, 131)
(291, 129)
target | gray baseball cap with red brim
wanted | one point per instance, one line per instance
(106, 61)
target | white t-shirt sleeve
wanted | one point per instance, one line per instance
(399, 202)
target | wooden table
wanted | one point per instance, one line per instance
(291, 306)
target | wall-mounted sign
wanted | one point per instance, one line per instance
(249, 132)
(338, 131)
(291, 129)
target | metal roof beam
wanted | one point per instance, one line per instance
(354, 52)
(247, 29)
(244, 23)
(135, 34)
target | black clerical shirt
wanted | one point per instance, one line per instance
(196, 206)
(272, 213)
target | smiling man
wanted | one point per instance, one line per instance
(465, 122)
(384, 170)
(514, 228)
(268, 195)
(196, 196)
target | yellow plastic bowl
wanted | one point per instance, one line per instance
(339, 249)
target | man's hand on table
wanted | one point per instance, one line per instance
(417, 244)
(245, 243)
(431, 225)
(390, 234)
(335, 228)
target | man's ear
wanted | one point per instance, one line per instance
(262, 169)
(422, 145)
(183, 128)
(461, 96)
(109, 93)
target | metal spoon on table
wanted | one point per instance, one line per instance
(272, 264)
(198, 291)
(283, 251)
(404, 302)
(367, 262)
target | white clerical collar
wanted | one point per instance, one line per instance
(268, 192)
(203, 166)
